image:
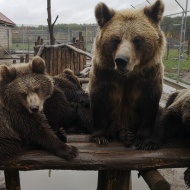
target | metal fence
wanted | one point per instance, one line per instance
(177, 54)
(24, 37)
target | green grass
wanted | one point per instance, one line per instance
(171, 64)
(21, 46)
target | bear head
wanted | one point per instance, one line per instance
(23, 89)
(129, 39)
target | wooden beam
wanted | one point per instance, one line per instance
(155, 180)
(70, 47)
(98, 157)
(114, 180)
(12, 180)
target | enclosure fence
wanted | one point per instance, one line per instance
(177, 31)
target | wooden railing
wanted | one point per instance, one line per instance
(113, 161)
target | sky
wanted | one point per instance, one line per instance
(34, 12)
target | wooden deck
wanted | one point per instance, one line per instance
(113, 161)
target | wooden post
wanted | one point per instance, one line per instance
(188, 49)
(155, 180)
(27, 58)
(21, 59)
(168, 51)
(12, 180)
(114, 180)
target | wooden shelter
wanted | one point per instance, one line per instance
(61, 56)
(6, 26)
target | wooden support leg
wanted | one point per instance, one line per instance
(12, 180)
(114, 180)
(155, 180)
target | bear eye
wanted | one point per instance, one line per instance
(36, 90)
(138, 41)
(116, 41)
(24, 94)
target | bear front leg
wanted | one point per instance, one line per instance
(100, 111)
(45, 138)
(148, 112)
(157, 137)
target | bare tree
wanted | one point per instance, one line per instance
(51, 26)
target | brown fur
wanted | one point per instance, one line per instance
(173, 122)
(22, 121)
(70, 103)
(68, 107)
(126, 76)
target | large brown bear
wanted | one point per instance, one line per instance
(173, 122)
(127, 72)
(23, 123)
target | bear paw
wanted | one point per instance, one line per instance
(187, 177)
(149, 144)
(61, 134)
(69, 153)
(99, 139)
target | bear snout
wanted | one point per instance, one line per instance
(34, 108)
(121, 63)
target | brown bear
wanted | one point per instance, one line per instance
(68, 108)
(70, 103)
(173, 122)
(127, 73)
(23, 123)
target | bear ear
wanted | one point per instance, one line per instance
(38, 65)
(155, 11)
(7, 74)
(68, 71)
(103, 14)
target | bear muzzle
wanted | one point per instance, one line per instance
(34, 108)
(121, 63)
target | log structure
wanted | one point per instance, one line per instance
(113, 161)
(61, 56)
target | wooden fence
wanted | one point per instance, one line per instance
(61, 56)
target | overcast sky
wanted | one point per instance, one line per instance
(70, 11)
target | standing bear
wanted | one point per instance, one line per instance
(23, 123)
(127, 73)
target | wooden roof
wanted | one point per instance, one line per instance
(6, 21)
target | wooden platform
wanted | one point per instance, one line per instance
(113, 161)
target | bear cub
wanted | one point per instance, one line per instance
(23, 123)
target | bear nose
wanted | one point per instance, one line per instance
(121, 62)
(35, 109)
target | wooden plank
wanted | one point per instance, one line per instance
(47, 59)
(51, 72)
(68, 58)
(155, 180)
(114, 180)
(174, 84)
(55, 61)
(12, 180)
(98, 157)
(59, 63)
(72, 66)
(63, 58)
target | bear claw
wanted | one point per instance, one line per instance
(70, 153)
(100, 140)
